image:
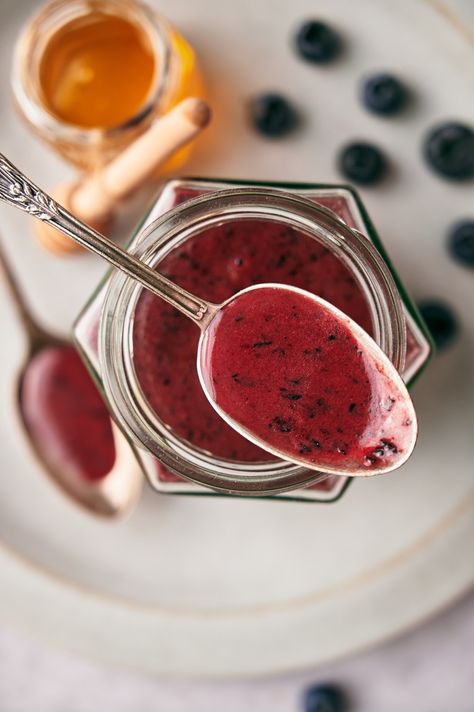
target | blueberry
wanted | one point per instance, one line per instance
(362, 163)
(317, 42)
(449, 150)
(383, 94)
(272, 115)
(461, 242)
(440, 320)
(324, 698)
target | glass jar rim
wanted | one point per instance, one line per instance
(188, 219)
(36, 112)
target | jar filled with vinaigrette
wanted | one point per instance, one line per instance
(90, 76)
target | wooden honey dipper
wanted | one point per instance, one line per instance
(93, 200)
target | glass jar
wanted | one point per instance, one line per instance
(175, 76)
(329, 217)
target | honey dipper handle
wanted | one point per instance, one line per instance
(97, 195)
(18, 191)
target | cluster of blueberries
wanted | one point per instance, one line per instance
(448, 149)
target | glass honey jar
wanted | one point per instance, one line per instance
(90, 76)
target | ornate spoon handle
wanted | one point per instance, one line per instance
(19, 192)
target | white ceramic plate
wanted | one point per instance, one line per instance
(225, 587)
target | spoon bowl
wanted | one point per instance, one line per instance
(281, 383)
(115, 493)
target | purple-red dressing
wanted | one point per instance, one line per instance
(292, 373)
(66, 416)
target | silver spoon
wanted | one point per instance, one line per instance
(17, 190)
(115, 493)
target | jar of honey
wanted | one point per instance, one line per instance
(90, 76)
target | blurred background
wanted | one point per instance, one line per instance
(114, 595)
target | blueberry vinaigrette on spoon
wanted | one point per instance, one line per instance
(305, 382)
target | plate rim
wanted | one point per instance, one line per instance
(109, 606)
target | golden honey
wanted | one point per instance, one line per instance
(97, 71)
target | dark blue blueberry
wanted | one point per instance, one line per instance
(449, 150)
(317, 42)
(461, 242)
(440, 320)
(362, 163)
(272, 115)
(383, 94)
(324, 698)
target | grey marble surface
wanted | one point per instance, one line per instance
(428, 670)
